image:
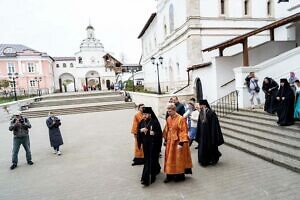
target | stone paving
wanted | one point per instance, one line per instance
(96, 164)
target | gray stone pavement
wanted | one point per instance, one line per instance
(96, 164)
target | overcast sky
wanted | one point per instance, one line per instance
(58, 26)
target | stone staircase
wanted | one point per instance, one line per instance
(256, 132)
(66, 104)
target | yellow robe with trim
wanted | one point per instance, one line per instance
(176, 160)
(138, 153)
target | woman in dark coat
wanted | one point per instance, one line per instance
(286, 99)
(150, 135)
(56, 140)
(270, 88)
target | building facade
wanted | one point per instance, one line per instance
(32, 69)
(180, 30)
(88, 70)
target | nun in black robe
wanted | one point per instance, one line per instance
(150, 135)
(270, 88)
(209, 135)
(286, 99)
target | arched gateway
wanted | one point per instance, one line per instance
(67, 83)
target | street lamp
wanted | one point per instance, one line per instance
(160, 61)
(38, 80)
(133, 71)
(13, 77)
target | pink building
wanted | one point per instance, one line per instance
(34, 69)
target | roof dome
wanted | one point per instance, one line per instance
(90, 27)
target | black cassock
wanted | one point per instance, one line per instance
(285, 111)
(270, 96)
(209, 137)
(151, 147)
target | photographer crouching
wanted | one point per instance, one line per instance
(55, 137)
(19, 125)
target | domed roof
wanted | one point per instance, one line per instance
(90, 27)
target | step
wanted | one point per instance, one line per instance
(263, 122)
(77, 94)
(69, 111)
(264, 116)
(278, 159)
(278, 130)
(270, 146)
(76, 101)
(271, 137)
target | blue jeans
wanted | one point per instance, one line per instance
(16, 146)
(192, 133)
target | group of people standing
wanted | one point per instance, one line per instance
(283, 99)
(20, 126)
(176, 137)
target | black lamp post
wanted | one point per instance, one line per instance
(38, 80)
(160, 61)
(13, 77)
(133, 71)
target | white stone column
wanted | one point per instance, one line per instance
(240, 75)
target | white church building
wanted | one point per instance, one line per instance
(184, 32)
(87, 70)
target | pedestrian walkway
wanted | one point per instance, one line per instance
(96, 164)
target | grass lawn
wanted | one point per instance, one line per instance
(10, 99)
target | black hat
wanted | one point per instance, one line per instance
(204, 102)
(283, 80)
(147, 110)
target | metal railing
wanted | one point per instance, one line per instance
(226, 104)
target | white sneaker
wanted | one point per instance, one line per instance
(59, 153)
(54, 152)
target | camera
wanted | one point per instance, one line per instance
(21, 121)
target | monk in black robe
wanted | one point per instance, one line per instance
(286, 99)
(150, 135)
(209, 135)
(270, 88)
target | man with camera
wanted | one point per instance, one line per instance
(53, 123)
(19, 125)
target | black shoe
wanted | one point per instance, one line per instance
(168, 179)
(179, 178)
(153, 179)
(145, 183)
(13, 166)
(30, 163)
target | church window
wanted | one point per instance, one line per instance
(30, 67)
(71, 65)
(11, 67)
(171, 18)
(222, 7)
(57, 65)
(32, 83)
(64, 65)
(165, 28)
(269, 8)
(80, 60)
(246, 7)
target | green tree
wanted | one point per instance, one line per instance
(4, 83)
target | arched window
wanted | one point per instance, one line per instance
(246, 7)
(222, 7)
(171, 18)
(79, 60)
(57, 65)
(64, 65)
(165, 28)
(71, 65)
(269, 8)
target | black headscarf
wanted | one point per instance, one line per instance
(204, 102)
(149, 110)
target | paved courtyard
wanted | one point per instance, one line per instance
(96, 164)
